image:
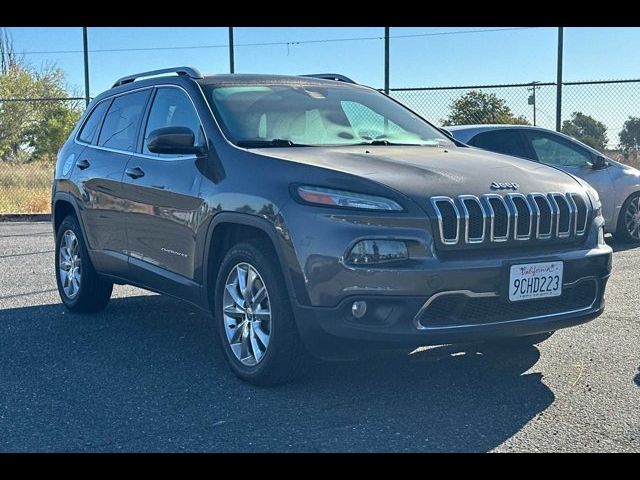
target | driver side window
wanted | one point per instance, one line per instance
(172, 108)
(558, 153)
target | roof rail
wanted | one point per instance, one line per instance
(330, 76)
(187, 71)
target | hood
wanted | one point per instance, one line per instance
(420, 172)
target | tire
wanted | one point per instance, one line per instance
(283, 356)
(90, 293)
(517, 342)
(631, 206)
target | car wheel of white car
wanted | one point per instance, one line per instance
(629, 220)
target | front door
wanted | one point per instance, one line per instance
(164, 203)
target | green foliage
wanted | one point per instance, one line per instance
(630, 134)
(34, 130)
(586, 129)
(480, 107)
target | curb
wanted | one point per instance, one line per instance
(25, 217)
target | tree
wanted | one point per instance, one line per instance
(481, 107)
(630, 134)
(33, 130)
(8, 56)
(586, 129)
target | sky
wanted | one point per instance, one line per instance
(419, 57)
(451, 59)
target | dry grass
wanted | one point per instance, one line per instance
(26, 187)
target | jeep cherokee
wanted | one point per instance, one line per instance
(313, 214)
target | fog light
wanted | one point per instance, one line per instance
(369, 252)
(359, 309)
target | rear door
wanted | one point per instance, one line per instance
(557, 151)
(164, 203)
(110, 137)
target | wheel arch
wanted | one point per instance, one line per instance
(227, 229)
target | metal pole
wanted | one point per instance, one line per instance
(534, 105)
(559, 81)
(87, 97)
(231, 59)
(386, 60)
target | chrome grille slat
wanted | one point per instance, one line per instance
(492, 216)
(511, 199)
(435, 201)
(551, 216)
(463, 199)
(554, 197)
(580, 229)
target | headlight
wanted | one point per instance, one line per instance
(340, 198)
(371, 252)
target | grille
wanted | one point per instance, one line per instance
(493, 218)
(458, 309)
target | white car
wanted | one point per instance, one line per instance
(617, 184)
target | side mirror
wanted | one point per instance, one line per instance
(174, 141)
(599, 162)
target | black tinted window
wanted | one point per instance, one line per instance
(172, 108)
(121, 123)
(91, 126)
(508, 142)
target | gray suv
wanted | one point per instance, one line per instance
(312, 214)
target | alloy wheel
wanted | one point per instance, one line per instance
(632, 218)
(69, 264)
(247, 314)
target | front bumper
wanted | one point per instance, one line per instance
(398, 321)
(324, 287)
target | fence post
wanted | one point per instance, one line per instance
(386, 60)
(231, 55)
(559, 81)
(85, 49)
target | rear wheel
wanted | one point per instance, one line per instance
(628, 229)
(255, 323)
(81, 289)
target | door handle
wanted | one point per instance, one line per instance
(134, 172)
(82, 164)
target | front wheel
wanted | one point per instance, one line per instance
(254, 319)
(628, 229)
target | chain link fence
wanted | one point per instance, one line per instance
(31, 132)
(32, 129)
(610, 102)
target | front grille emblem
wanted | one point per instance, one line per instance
(504, 186)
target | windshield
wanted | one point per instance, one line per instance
(254, 116)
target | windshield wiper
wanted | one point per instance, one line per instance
(274, 142)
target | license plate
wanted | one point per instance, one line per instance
(528, 281)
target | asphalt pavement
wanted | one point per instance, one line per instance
(147, 375)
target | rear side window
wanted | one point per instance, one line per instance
(172, 108)
(120, 128)
(508, 142)
(92, 125)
